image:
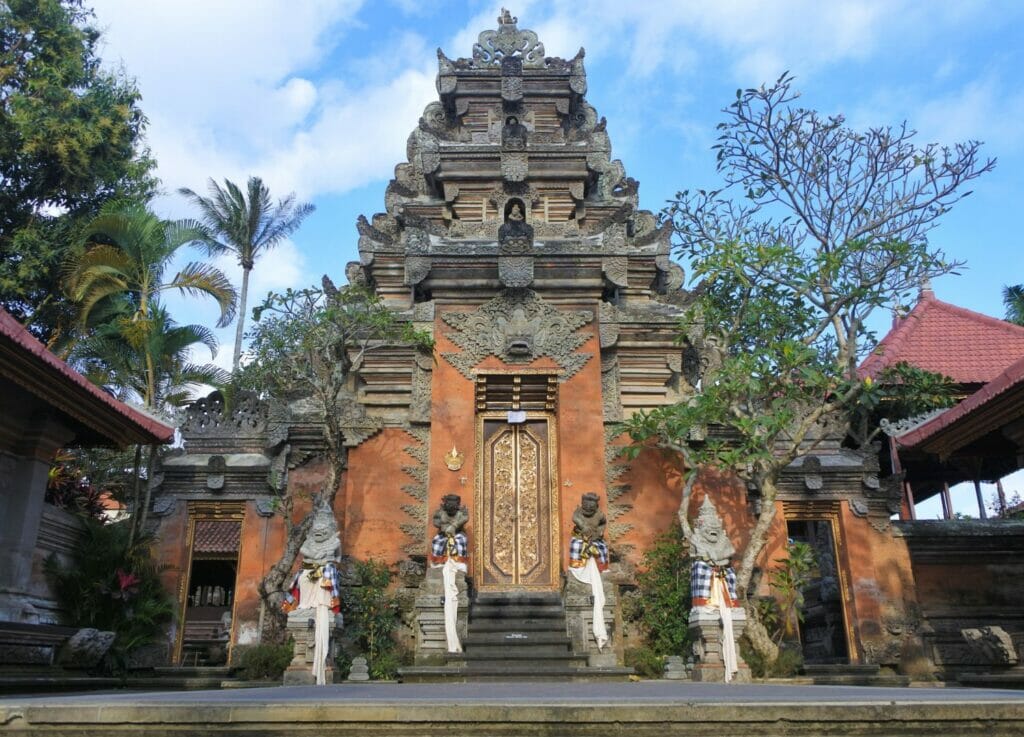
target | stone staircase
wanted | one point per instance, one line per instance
(515, 636)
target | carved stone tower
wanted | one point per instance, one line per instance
(512, 231)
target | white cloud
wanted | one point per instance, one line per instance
(981, 110)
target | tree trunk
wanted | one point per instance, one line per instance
(755, 631)
(150, 462)
(136, 489)
(240, 328)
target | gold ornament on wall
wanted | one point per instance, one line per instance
(454, 459)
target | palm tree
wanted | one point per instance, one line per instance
(1013, 299)
(111, 357)
(123, 271)
(246, 224)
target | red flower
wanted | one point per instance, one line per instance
(127, 581)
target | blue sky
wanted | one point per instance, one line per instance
(319, 96)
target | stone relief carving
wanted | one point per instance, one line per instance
(517, 326)
(609, 328)
(422, 374)
(616, 270)
(416, 269)
(515, 271)
(493, 46)
(416, 528)
(610, 392)
(514, 166)
(207, 416)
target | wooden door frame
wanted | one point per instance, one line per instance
(201, 511)
(553, 489)
(829, 511)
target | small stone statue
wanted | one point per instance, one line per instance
(449, 551)
(314, 590)
(515, 228)
(513, 134)
(713, 584)
(588, 557)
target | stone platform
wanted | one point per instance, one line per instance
(523, 709)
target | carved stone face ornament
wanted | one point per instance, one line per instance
(709, 541)
(323, 543)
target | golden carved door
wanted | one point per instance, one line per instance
(517, 515)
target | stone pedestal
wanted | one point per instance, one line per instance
(431, 644)
(706, 635)
(301, 629)
(579, 619)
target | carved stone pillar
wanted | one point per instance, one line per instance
(706, 635)
(579, 620)
(431, 645)
(301, 629)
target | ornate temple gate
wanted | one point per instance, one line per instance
(517, 485)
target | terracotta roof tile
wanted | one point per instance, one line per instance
(217, 536)
(32, 356)
(1010, 378)
(967, 346)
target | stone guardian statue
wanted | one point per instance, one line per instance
(449, 551)
(588, 557)
(314, 597)
(716, 617)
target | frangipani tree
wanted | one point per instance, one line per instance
(827, 226)
(307, 344)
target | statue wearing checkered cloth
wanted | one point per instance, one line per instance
(449, 551)
(588, 558)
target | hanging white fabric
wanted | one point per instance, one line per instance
(719, 599)
(592, 577)
(451, 603)
(314, 596)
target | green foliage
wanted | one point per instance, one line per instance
(645, 661)
(305, 342)
(788, 581)
(662, 608)
(69, 488)
(70, 139)
(132, 358)
(266, 661)
(786, 665)
(1013, 300)
(112, 584)
(371, 617)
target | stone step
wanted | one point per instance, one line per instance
(551, 624)
(518, 638)
(516, 611)
(523, 599)
(528, 653)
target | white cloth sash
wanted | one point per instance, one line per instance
(719, 597)
(451, 603)
(313, 596)
(591, 576)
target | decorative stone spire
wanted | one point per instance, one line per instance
(508, 41)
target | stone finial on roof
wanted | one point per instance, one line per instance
(493, 46)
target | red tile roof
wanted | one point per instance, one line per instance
(983, 400)
(217, 536)
(966, 346)
(27, 362)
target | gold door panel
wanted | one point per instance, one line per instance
(516, 513)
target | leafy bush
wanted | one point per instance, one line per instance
(646, 662)
(265, 661)
(787, 664)
(662, 608)
(113, 586)
(371, 616)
